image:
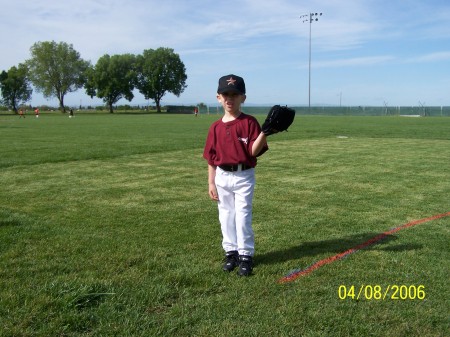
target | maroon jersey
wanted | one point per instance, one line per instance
(231, 143)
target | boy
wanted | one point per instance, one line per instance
(232, 145)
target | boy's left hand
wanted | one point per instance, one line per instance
(278, 119)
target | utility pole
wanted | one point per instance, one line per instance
(310, 18)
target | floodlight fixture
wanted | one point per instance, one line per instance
(310, 18)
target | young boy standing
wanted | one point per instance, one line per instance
(232, 145)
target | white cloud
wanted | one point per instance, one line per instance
(431, 58)
(354, 62)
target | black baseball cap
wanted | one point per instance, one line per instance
(231, 83)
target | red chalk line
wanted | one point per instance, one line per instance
(296, 274)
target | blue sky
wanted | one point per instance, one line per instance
(364, 52)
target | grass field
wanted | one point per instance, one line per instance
(106, 229)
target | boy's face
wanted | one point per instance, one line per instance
(231, 101)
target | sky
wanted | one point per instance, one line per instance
(363, 52)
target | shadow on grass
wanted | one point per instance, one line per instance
(10, 222)
(9, 218)
(334, 246)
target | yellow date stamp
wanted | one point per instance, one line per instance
(378, 292)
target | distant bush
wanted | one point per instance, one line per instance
(180, 109)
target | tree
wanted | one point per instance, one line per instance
(112, 79)
(160, 71)
(15, 87)
(56, 69)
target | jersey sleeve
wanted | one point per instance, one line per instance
(209, 152)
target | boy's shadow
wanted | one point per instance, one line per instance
(335, 246)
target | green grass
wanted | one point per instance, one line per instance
(106, 228)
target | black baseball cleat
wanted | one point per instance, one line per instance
(245, 265)
(231, 261)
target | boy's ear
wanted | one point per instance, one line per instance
(243, 98)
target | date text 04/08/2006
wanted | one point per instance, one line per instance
(377, 292)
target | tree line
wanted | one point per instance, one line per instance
(56, 69)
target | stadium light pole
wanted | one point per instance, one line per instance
(310, 18)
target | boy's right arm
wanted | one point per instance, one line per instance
(212, 190)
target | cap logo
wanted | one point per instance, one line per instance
(231, 81)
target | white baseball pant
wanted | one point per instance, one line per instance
(235, 190)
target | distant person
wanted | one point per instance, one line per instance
(196, 111)
(21, 113)
(71, 113)
(36, 112)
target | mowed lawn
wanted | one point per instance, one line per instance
(106, 229)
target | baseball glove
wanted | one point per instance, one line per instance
(278, 119)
